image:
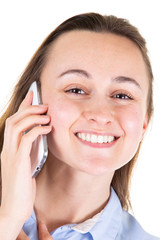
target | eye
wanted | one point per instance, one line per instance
(77, 91)
(122, 96)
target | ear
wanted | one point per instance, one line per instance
(145, 125)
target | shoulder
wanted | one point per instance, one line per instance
(131, 229)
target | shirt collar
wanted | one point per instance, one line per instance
(86, 226)
(106, 223)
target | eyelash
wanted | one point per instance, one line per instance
(121, 95)
(73, 90)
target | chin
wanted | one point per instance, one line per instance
(97, 168)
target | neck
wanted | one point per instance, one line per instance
(68, 196)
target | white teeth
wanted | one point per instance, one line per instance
(110, 139)
(95, 138)
(100, 139)
(88, 137)
(105, 139)
(83, 136)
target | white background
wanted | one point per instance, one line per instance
(25, 24)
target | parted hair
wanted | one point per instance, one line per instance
(96, 23)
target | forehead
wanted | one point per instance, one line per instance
(89, 47)
(94, 43)
(102, 54)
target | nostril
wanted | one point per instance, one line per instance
(99, 116)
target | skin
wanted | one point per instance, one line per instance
(96, 109)
(75, 171)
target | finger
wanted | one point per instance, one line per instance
(31, 136)
(43, 232)
(8, 159)
(31, 121)
(27, 111)
(14, 131)
(27, 100)
(27, 125)
(22, 236)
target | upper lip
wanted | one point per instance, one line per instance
(97, 133)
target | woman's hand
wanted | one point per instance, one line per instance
(18, 186)
(42, 232)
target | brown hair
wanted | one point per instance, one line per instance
(96, 23)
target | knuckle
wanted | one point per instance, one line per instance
(8, 121)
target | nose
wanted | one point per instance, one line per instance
(99, 113)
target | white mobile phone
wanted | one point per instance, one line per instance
(39, 151)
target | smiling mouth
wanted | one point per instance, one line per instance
(94, 138)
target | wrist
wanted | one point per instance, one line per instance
(9, 226)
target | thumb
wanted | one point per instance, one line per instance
(43, 232)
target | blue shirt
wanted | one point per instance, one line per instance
(112, 223)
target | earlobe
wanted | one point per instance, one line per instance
(145, 125)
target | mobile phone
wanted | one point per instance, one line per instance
(39, 151)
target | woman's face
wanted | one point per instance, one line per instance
(96, 87)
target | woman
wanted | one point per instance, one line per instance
(96, 87)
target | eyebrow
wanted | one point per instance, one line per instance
(123, 79)
(119, 79)
(77, 72)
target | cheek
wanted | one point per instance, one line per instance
(132, 123)
(63, 113)
(132, 126)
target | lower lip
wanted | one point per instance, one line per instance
(98, 145)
